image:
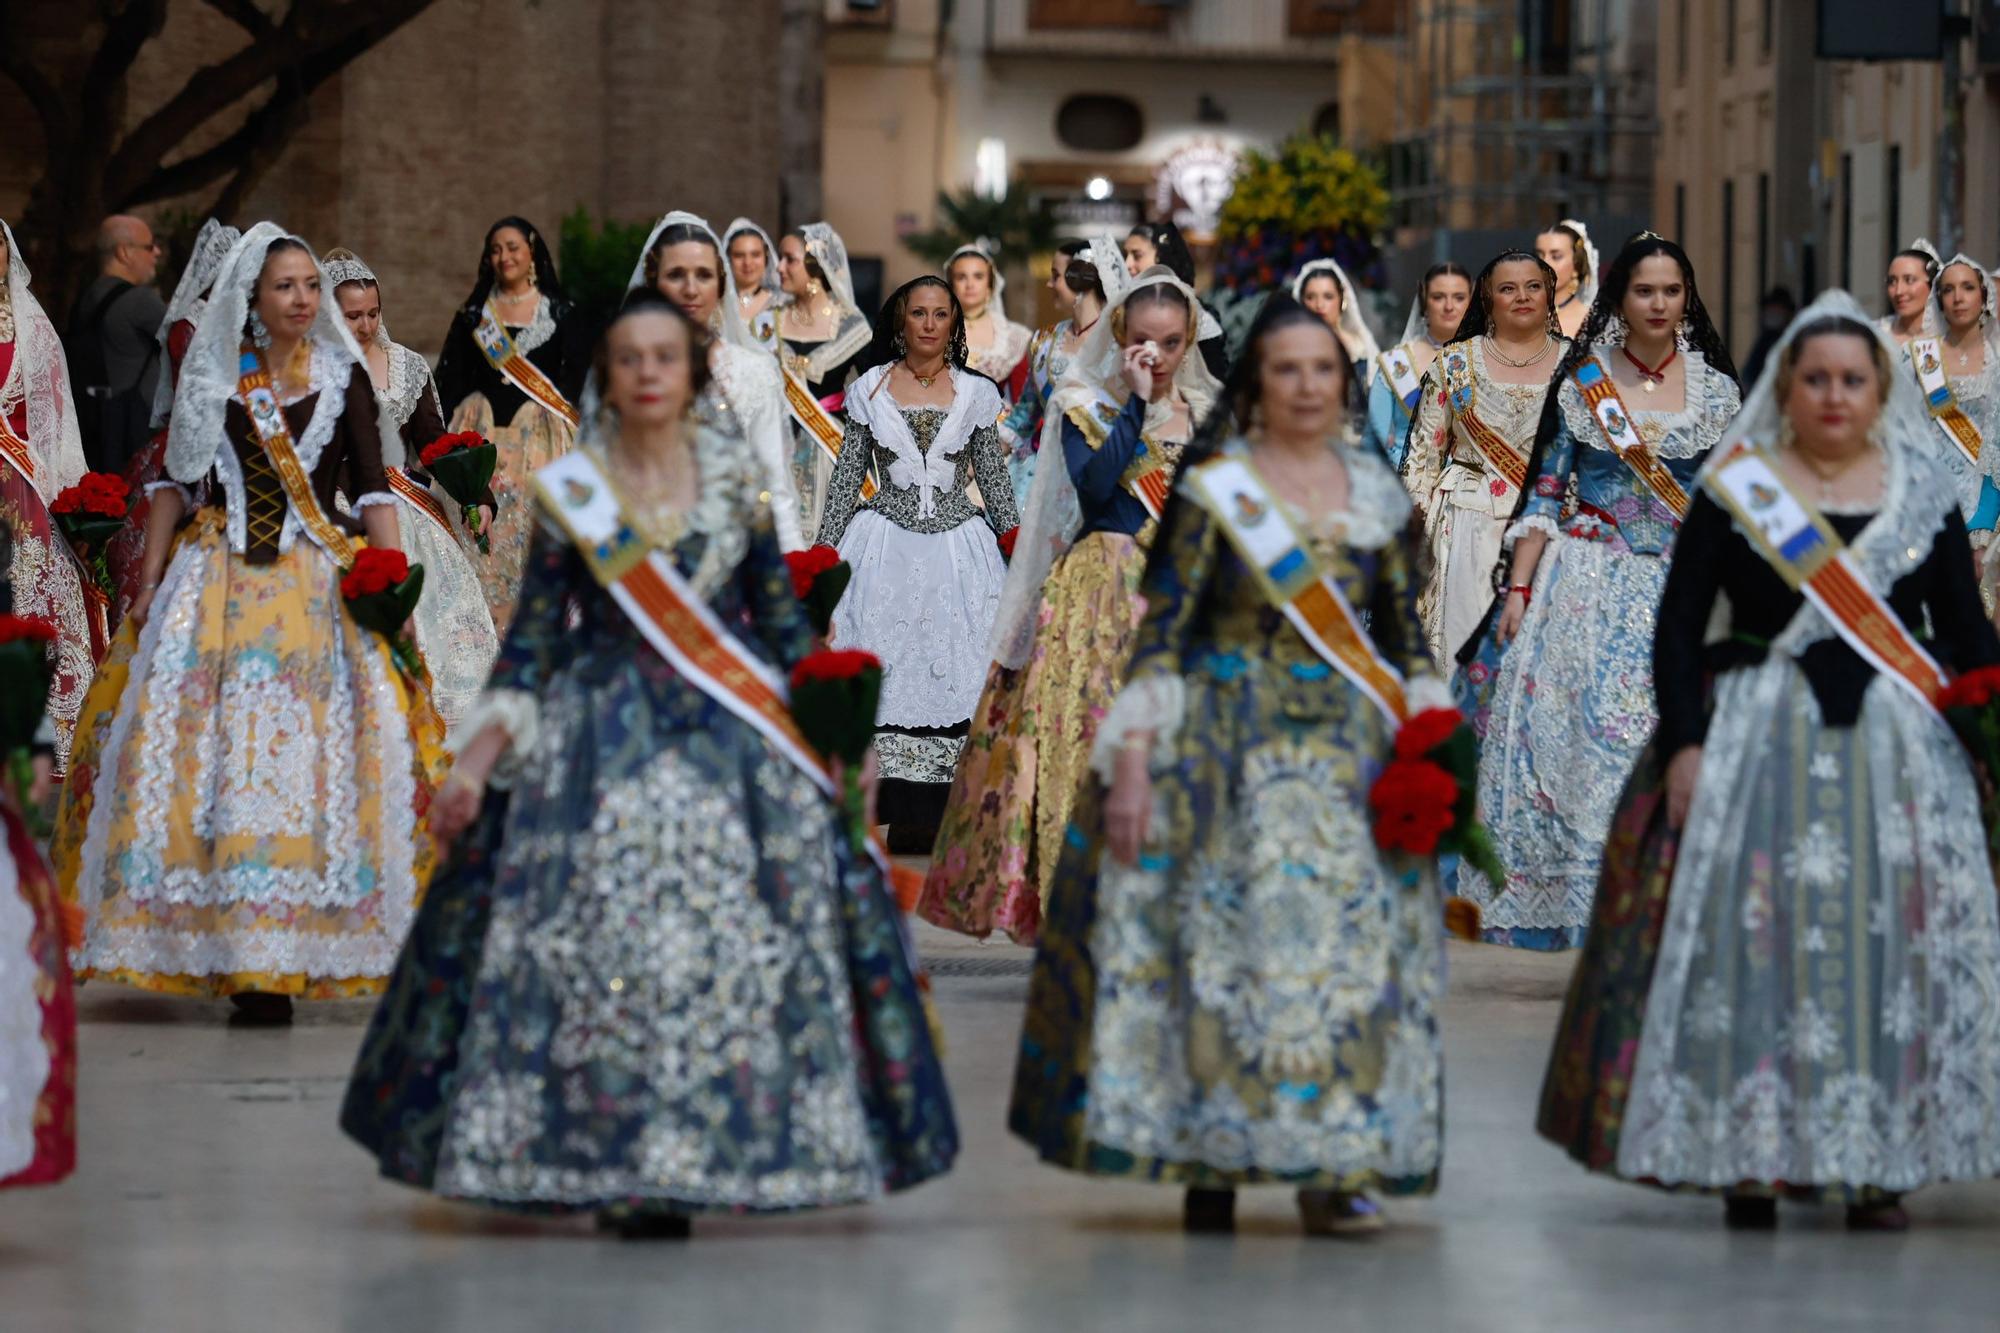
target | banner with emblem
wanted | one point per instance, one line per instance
(267, 425)
(1809, 555)
(1607, 408)
(1927, 356)
(1462, 391)
(1400, 368)
(672, 617)
(497, 345)
(1230, 490)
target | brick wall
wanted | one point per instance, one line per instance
(481, 108)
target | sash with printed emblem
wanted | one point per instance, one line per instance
(405, 486)
(497, 346)
(1462, 390)
(267, 426)
(1927, 356)
(1607, 408)
(96, 604)
(1809, 555)
(818, 423)
(672, 617)
(1229, 488)
(1150, 476)
(1400, 368)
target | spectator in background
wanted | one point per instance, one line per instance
(113, 345)
(1774, 316)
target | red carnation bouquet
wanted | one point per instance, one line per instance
(1007, 540)
(834, 696)
(381, 589)
(820, 578)
(90, 514)
(1971, 704)
(1425, 802)
(24, 693)
(463, 464)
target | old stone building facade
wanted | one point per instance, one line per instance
(481, 108)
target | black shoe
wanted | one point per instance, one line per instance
(255, 1009)
(1209, 1211)
(646, 1226)
(1750, 1212)
(1884, 1214)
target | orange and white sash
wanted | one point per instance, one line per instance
(1808, 554)
(1607, 408)
(267, 425)
(1462, 388)
(15, 450)
(672, 617)
(817, 423)
(1151, 485)
(420, 499)
(1230, 489)
(497, 345)
(1927, 356)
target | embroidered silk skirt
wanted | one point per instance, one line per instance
(1029, 750)
(49, 584)
(453, 629)
(1465, 549)
(37, 1018)
(246, 812)
(535, 438)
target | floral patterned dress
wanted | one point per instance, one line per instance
(654, 975)
(1255, 1000)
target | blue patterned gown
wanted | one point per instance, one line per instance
(1255, 1000)
(655, 976)
(1565, 709)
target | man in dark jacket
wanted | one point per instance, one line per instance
(113, 353)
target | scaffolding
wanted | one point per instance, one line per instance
(1512, 113)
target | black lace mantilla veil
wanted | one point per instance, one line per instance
(546, 279)
(887, 347)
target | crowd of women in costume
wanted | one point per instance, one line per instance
(1152, 622)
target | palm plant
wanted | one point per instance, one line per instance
(1010, 228)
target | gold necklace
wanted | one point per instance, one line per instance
(925, 380)
(1493, 348)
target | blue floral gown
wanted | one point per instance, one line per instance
(655, 977)
(1254, 1002)
(1564, 711)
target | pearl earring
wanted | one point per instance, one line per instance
(259, 335)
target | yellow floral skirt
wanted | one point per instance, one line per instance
(1029, 748)
(246, 807)
(535, 438)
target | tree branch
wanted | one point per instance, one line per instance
(278, 115)
(245, 15)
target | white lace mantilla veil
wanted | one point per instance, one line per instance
(211, 247)
(1928, 326)
(730, 292)
(997, 302)
(852, 332)
(1362, 349)
(1911, 515)
(211, 371)
(1052, 516)
(40, 374)
(1586, 287)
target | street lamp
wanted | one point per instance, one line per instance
(1098, 188)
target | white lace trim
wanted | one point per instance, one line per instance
(1541, 523)
(538, 330)
(516, 712)
(187, 496)
(409, 380)
(24, 1058)
(1153, 703)
(1425, 692)
(1710, 400)
(361, 502)
(158, 950)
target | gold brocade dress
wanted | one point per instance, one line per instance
(246, 805)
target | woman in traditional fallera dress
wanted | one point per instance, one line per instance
(1822, 1010)
(37, 1005)
(1912, 274)
(453, 628)
(1397, 385)
(1323, 288)
(1153, 243)
(41, 453)
(1098, 279)
(1474, 428)
(1567, 250)
(1233, 986)
(245, 814)
(754, 292)
(824, 338)
(683, 262)
(515, 334)
(1958, 374)
(927, 562)
(1562, 679)
(1071, 605)
(656, 980)
(995, 346)
(127, 553)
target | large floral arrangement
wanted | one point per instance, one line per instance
(1311, 199)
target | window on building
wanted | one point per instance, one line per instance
(1729, 264)
(1763, 233)
(1097, 14)
(1681, 40)
(1769, 28)
(1681, 215)
(1728, 34)
(1847, 221)
(1331, 18)
(1100, 123)
(1893, 203)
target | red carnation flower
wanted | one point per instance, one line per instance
(24, 627)
(1413, 802)
(1007, 540)
(834, 664)
(1426, 731)
(1974, 689)
(808, 565)
(375, 570)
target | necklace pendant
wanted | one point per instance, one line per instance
(1650, 386)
